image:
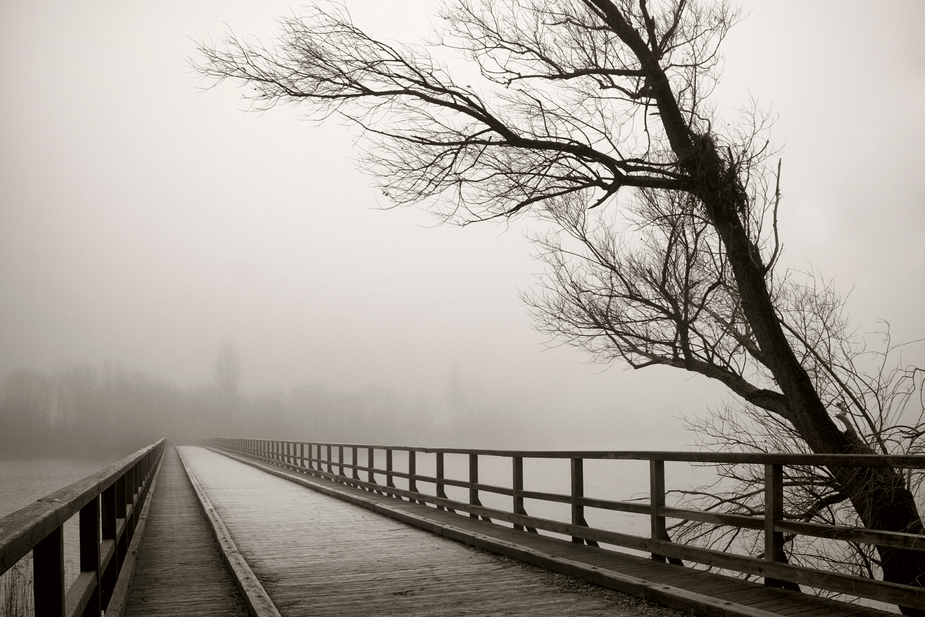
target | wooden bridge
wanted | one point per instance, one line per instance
(273, 527)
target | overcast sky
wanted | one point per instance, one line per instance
(143, 220)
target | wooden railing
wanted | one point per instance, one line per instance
(108, 504)
(342, 463)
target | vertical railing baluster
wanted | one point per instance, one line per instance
(121, 545)
(473, 482)
(354, 460)
(518, 487)
(370, 463)
(48, 575)
(773, 512)
(412, 472)
(90, 551)
(577, 492)
(108, 531)
(656, 501)
(388, 469)
(130, 492)
(440, 475)
(301, 455)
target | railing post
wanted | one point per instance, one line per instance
(656, 501)
(578, 492)
(412, 472)
(134, 482)
(356, 464)
(130, 501)
(108, 531)
(48, 575)
(388, 469)
(121, 544)
(440, 476)
(473, 481)
(302, 455)
(773, 512)
(517, 485)
(370, 463)
(90, 551)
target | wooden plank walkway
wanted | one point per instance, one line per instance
(180, 570)
(315, 554)
(315, 557)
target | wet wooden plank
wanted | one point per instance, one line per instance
(180, 570)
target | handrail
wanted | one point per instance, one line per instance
(109, 503)
(340, 462)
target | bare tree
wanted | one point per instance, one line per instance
(228, 374)
(887, 413)
(594, 114)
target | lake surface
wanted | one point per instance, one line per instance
(25, 481)
(21, 483)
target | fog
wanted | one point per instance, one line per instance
(145, 220)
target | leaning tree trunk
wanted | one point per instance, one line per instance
(878, 495)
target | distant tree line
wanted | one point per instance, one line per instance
(112, 409)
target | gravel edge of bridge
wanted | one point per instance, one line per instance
(668, 596)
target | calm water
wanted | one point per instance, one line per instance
(23, 482)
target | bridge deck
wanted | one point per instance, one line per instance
(180, 570)
(316, 555)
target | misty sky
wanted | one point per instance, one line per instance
(144, 220)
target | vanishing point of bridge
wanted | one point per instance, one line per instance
(285, 528)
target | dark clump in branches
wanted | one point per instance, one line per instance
(594, 115)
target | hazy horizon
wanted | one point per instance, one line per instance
(145, 220)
